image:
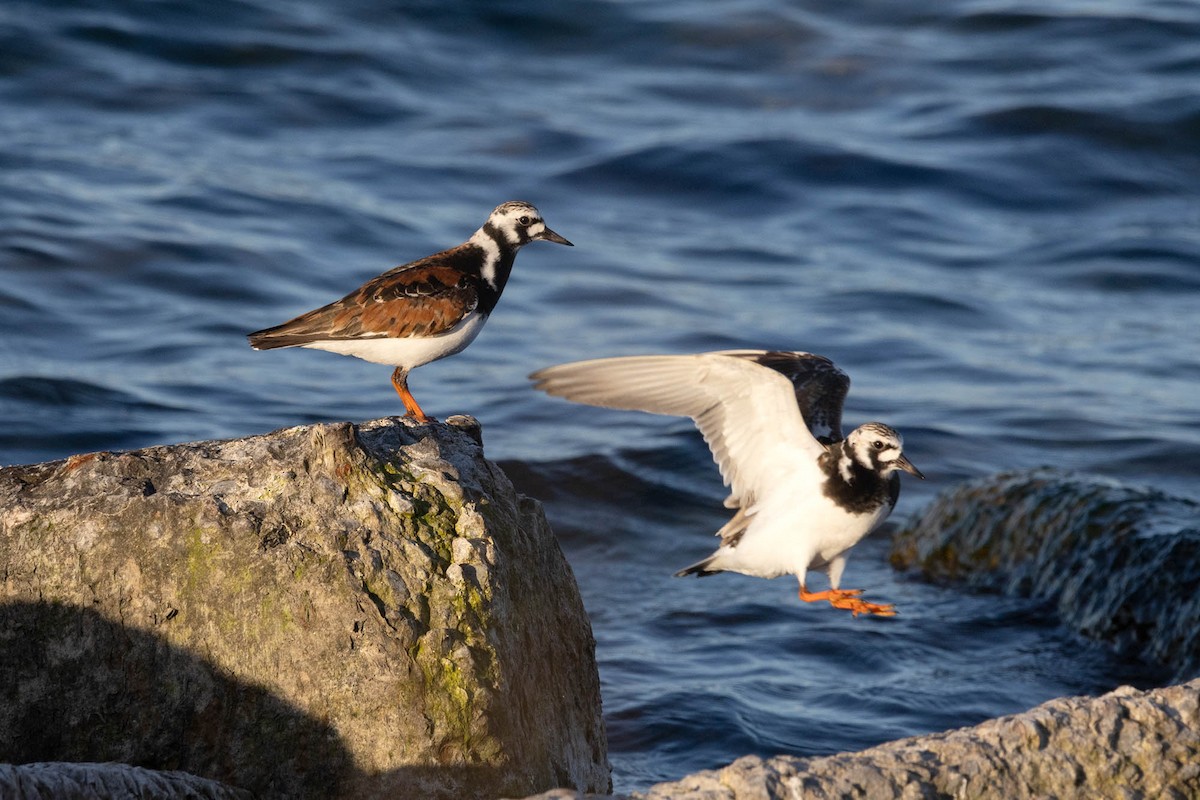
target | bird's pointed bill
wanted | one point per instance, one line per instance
(548, 235)
(903, 463)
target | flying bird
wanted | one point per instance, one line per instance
(421, 311)
(803, 494)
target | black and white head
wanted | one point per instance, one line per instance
(879, 448)
(518, 223)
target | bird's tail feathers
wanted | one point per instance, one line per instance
(268, 340)
(700, 569)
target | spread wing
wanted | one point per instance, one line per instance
(423, 299)
(746, 412)
(820, 387)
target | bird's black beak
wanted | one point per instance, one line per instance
(550, 236)
(903, 463)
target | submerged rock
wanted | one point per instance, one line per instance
(1124, 744)
(324, 611)
(1119, 563)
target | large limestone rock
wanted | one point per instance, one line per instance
(1126, 744)
(324, 611)
(1118, 562)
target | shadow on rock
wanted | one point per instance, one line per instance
(78, 687)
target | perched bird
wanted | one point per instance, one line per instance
(773, 419)
(423, 311)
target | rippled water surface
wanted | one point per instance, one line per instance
(986, 212)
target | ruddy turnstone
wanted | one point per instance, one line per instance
(773, 419)
(422, 311)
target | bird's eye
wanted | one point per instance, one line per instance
(878, 445)
(524, 220)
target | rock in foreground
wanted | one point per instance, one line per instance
(1126, 744)
(104, 781)
(1119, 563)
(324, 611)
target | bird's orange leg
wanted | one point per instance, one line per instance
(411, 409)
(848, 599)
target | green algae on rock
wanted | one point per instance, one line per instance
(324, 611)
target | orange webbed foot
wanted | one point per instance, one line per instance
(848, 599)
(856, 606)
(420, 418)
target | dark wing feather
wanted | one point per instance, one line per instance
(422, 299)
(821, 387)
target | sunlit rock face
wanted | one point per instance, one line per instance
(1123, 744)
(324, 611)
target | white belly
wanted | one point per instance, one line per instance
(791, 534)
(407, 353)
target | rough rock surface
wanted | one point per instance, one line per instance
(323, 611)
(106, 781)
(1125, 744)
(1119, 563)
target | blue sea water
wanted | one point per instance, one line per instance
(986, 211)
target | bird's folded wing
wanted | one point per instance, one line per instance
(419, 301)
(746, 412)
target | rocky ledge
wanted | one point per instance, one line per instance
(1126, 744)
(324, 611)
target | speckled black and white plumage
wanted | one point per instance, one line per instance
(803, 495)
(862, 483)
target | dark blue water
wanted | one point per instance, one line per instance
(986, 212)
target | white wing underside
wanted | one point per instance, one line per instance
(747, 413)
